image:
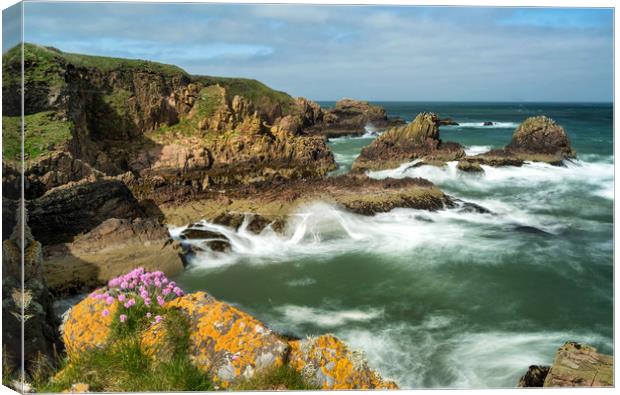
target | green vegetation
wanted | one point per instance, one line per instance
(42, 63)
(43, 130)
(281, 378)
(259, 93)
(123, 366)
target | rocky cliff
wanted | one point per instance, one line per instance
(90, 115)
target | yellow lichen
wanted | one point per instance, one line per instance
(339, 367)
(86, 327)
(227, 342)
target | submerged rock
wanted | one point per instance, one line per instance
(417, 140)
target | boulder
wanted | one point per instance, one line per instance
(85, 327)
(66, 211)
(487, 123)
(226, 342)
(328, 363)
(417, 140)
(578, 365)
(469, 166)
(109, 250)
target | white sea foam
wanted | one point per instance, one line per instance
(496, 125)
(477, 149)
(454, 357)
(325, 318)
(599, 176)
(302, 282)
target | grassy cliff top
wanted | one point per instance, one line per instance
(41, 57)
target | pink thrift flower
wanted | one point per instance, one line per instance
(109, 300)
(123, 318)
(158, 318)
(148, 315)
(121, 297)
(105, 312)
(124, 285)
(160, 300)
(165, 291)
(147, 302)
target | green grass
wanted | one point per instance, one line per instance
(281, 378)
(259, 93)
(122, 366)
(208, 101)
(43, 130)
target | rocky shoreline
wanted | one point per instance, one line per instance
(150, 146)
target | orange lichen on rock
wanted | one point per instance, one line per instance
(226, 342)
(156, 343)
(326, 361)
(86, 326)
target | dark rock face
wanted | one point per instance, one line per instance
(487, 123)
(67, 211)
(418, 140)
(41, 338)
(350, 117)
(535, 376)
(541, 135)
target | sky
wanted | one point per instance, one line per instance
(368, 52)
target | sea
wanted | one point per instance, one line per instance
(445, 299)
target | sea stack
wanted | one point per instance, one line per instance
(417, 140)
(541, 135)
(537, 139)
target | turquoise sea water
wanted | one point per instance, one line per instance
(446, 299)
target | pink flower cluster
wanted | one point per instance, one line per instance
(139, 285)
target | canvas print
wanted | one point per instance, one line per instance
(232, 197)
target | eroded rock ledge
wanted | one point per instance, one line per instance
(274, 202)
(575, 365)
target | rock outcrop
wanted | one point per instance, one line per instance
(30, 297)
(537, 139)
(69, 210)
(328, 363)
(109, 250)
(227, 344)
(417, 140)
(154, 119)
(271, 204)
(575, 365)
(351, 117)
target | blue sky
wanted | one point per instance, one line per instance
(367, 52)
